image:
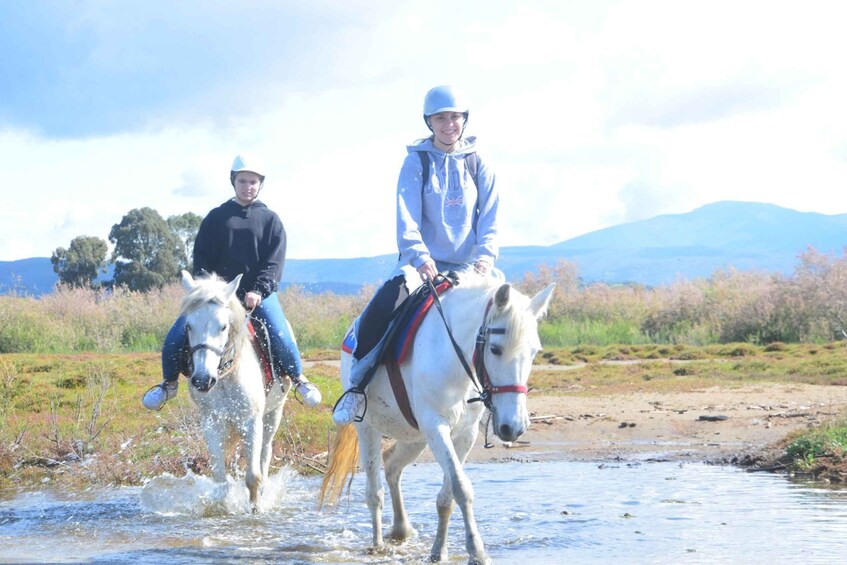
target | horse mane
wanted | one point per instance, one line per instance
(210, 289)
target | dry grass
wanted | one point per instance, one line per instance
(78, 420)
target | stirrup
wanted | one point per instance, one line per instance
(166, 394)
(310, 393)
(355, 390)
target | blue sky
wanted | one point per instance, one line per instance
(592, 113)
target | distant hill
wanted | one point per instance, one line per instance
(743, 235)
(660, 250)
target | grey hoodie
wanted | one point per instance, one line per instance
(447, 219)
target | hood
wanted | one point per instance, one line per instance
(244, 210)
(464, 146)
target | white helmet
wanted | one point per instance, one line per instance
(249, 163)
(444, 98)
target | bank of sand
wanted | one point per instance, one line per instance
(713, 424)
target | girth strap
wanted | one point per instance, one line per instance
(400, 392)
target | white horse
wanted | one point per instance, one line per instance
(496, 324)
(227, 381)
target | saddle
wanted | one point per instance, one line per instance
(399, 339)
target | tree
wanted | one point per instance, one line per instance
(147, 253)
(81, 263)
(185, 227)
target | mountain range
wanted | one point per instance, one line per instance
(655, 251)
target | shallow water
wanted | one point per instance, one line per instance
(539, 512)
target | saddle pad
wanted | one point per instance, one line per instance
(405, 336)
(349, 343)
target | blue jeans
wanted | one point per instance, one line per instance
(286, 356)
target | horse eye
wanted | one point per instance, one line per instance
(496, 350)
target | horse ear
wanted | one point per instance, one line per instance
(232, 287)
(501, 298)
(539, 303)
(187, 281)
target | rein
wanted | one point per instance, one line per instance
(485, 389)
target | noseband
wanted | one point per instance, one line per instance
(223, 365)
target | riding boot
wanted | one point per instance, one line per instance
(157, 396)
(347, 409)
(310, 393)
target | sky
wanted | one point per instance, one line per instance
(592, 114)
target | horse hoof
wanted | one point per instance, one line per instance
(380, 549)
(401, 534)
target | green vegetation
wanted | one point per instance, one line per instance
(612, 368)
(82, 262)
(74, 363)
(822, 451)
(730, 307)
(149, 252)
(78, 420)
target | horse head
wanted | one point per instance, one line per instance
(213, 317)
(508, 343)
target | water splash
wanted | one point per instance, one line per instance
(200, 496)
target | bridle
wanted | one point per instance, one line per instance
(479, 376)
(224, 364)
(226, 360)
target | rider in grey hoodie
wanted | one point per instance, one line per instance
(445, 222)
(451, 218)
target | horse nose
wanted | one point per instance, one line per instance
(507, 433)
(202, 382)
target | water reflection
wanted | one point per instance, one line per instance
(542, 512)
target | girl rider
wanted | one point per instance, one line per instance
(241, 236)
(445, 222)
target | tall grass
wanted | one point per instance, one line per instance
(809, 306)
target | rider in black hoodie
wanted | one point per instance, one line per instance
(241, 236)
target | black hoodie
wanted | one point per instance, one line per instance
(248, 240)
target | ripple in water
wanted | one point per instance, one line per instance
(544, 512)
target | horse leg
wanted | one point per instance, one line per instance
(395, 459)
(444, 506)
(462, 443)
(462, 492)
(216, 439)
(252, 434)
(270, 426)
(370, 446)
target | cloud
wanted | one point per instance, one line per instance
(194, 184)
(705, 104)
(95, 68)
(591, 113)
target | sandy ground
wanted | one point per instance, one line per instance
(712, 424)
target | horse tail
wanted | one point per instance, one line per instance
(342, 465)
